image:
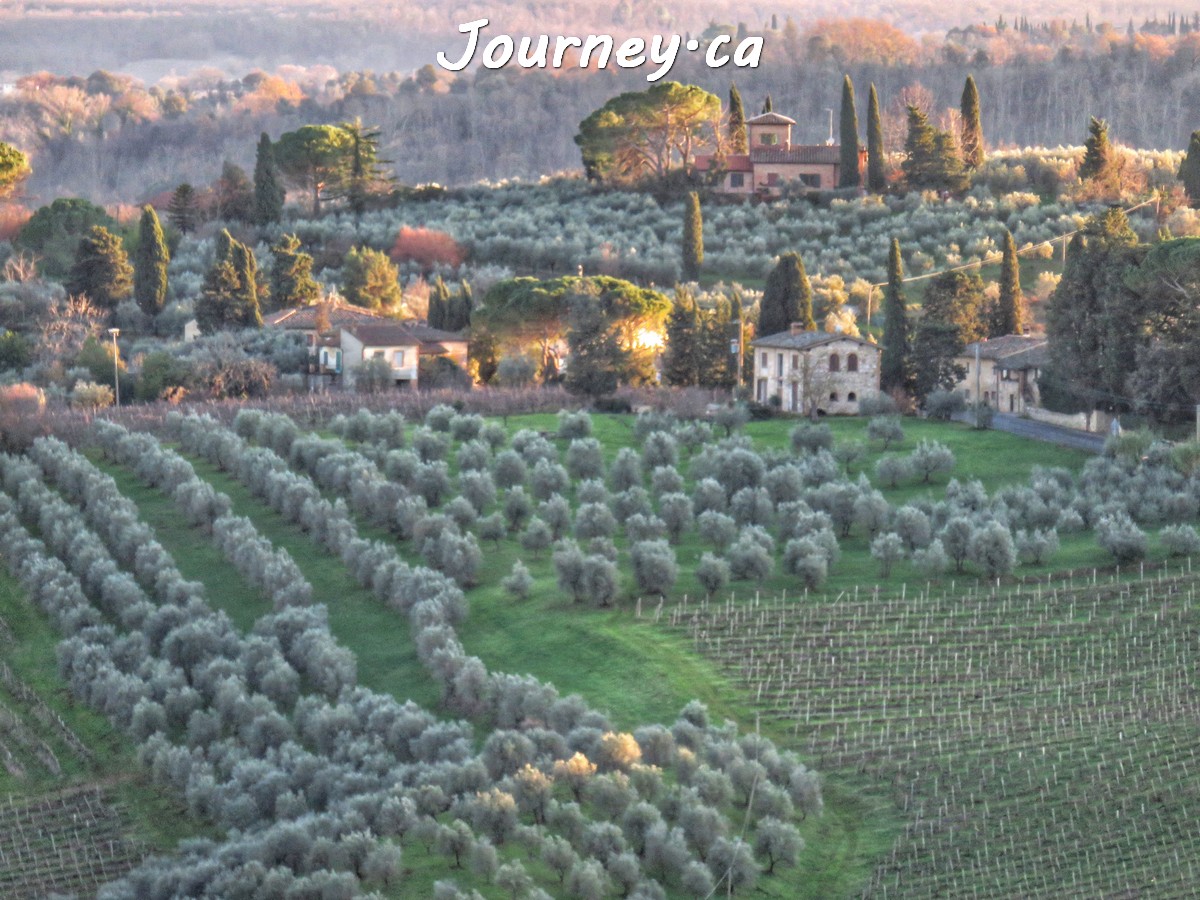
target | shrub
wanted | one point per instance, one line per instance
(625, 471)
(548, 479)
(804, 558)
(888, 549)
(931, 458)
(749, 559)
(536, 537)
(1120, 536)
(944, 404)
(517, 508)
(877, 405)
(654, 566)
(871, 512)
(1180, 540)
(660, 449)
(665, 480)
(931, 561)
(713, 573)
(509, 469)
(573, 425)
(594, 520)
(675, 510)
(991, 548)
(886, 429)
(1036, 546)
(913, 526)
(716, 528)
(585, 458)
(809, 438)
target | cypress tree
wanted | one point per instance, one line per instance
(716, 359)
(972, 127)
(787, 298)
(1097, 162)
(931, 158)
(1009, 317)
(245, 311)
(217, 297)
(439, 304)
(268, 186)
(681, 359)
(101, 269)
(292, 283)
(150, 264)
(767, 107)
(183, 210)
(1189, 171)
(876, 177)
(897, 341)
(693, 238)
(737, 122)
(849, 174)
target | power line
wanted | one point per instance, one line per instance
(996, 257)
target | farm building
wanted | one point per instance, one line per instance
(815, 371)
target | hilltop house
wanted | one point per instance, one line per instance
(774, 160)
(815, 372)
(1005, 376)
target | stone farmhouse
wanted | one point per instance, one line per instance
(774, 161)
(341, 337)
(1005, 376)
(815, 372)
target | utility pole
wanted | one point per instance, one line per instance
(116, 372)
(978, 375)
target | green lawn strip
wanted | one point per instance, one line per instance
(154, 817)
(378, 636)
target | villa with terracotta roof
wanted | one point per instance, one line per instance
(774, 160)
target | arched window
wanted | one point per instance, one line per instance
(851, 397)
(834, 363)
(833, 397)
(852, 362)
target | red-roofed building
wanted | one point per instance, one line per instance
(774, 160)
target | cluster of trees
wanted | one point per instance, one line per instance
(920, 358)
(1122, 324)
(522, 325)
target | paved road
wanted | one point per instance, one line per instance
(1040, 431)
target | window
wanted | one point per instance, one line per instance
(398, 359)
(833, 397)
(852, 362)
(762, 390)
(737, 179)
(766, 365)
(772, 179)
(795, 361)
(835, 364)
(811, 181)
(779, 365)
(851, 397)
(378, 354)
(769, 139)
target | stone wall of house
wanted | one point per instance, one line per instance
(807, 371)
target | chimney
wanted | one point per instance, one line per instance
(797, 328)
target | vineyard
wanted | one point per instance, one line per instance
(67, 843)
(316, 632)
(1038, 742)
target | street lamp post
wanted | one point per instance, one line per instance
(116, 372)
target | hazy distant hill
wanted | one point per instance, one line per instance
(152, 39)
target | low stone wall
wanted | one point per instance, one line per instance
(1078, 421)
